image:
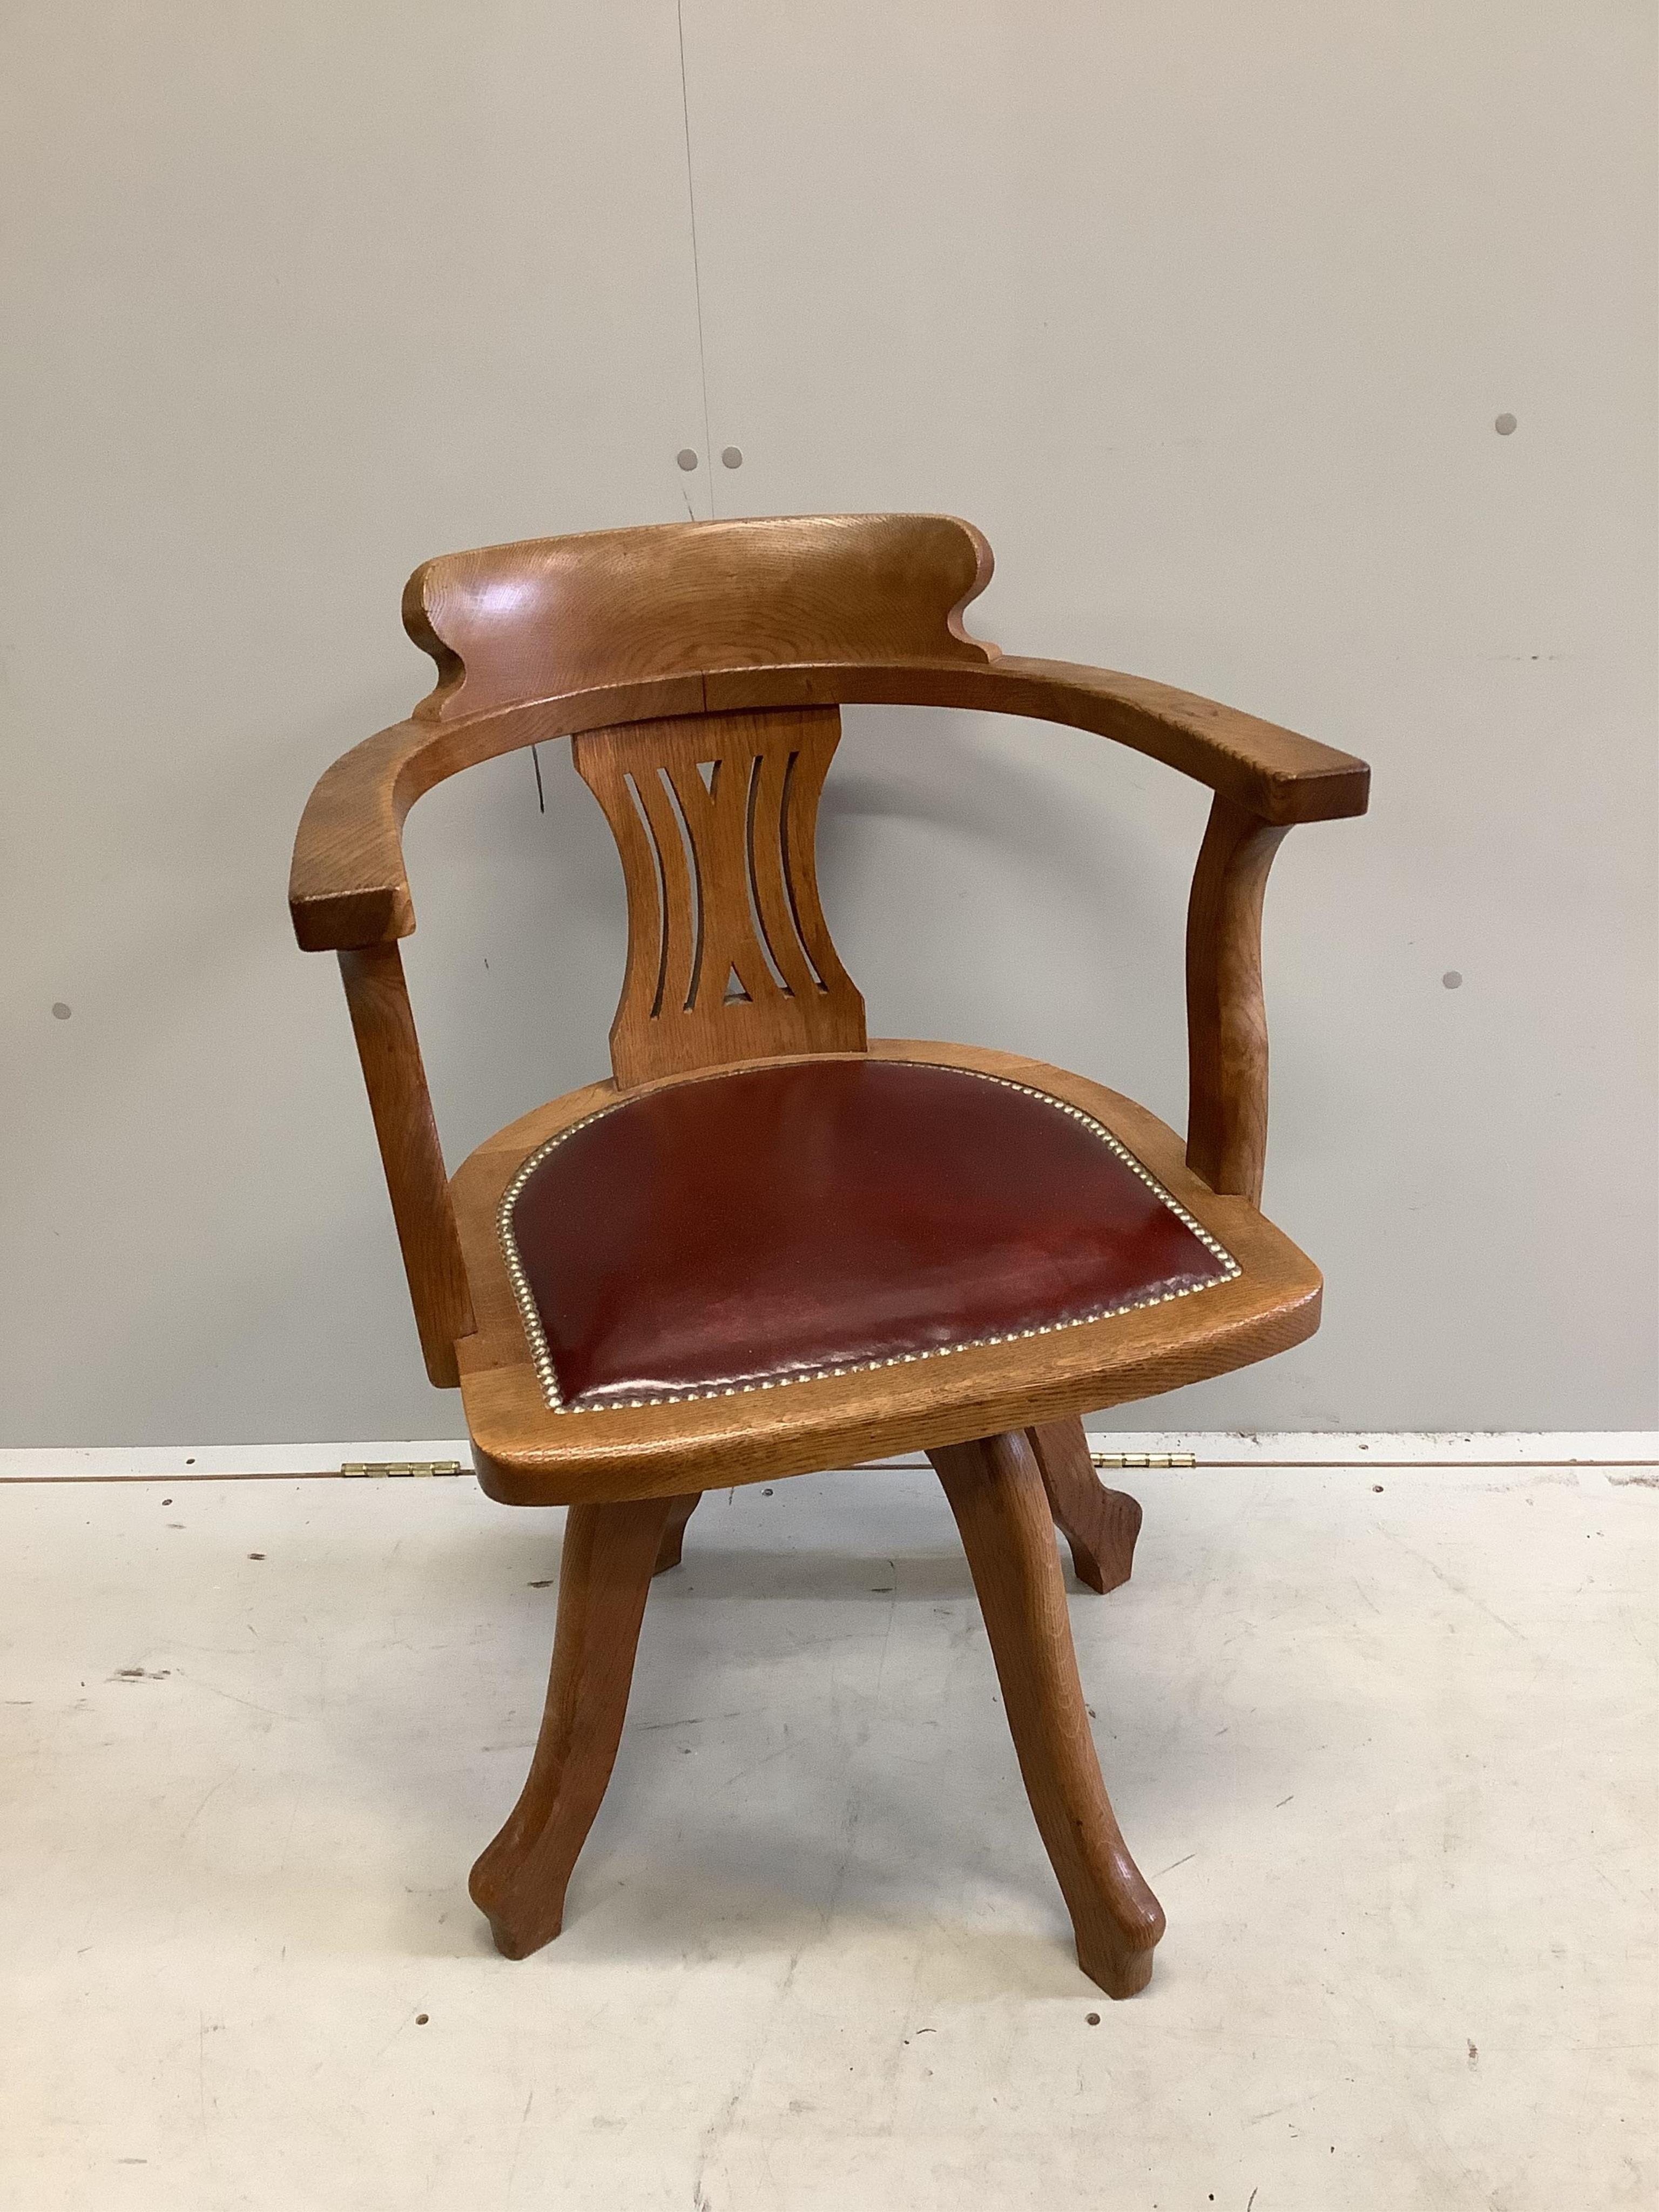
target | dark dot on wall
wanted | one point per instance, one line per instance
(166, 1501)
(1452, 979)
(1504, 425)
(422, 2018)
(1091, 2019)
(256, 1555)
(687, 458)
(60, 1012)
(766, 1493)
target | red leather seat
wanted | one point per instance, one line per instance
(745, 1230)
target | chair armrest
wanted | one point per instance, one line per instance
(1265, 781)
(1274, 774)
(347, 886)
(348, 891)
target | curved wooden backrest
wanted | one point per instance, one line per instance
(508, 624)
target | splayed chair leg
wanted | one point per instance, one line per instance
(1001, 1509)
(610, 1553)
(680, 1510)
(1100, 1525)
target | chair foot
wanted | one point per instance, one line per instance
(680, 1510)
(1001, 1509)
(1100, 1525)
(520, 1880)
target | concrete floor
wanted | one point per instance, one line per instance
(1387, 1758)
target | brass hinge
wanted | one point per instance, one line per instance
(403, 1466)
(1142, 1459)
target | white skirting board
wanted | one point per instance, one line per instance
(1627, 1448)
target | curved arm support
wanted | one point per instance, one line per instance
(384, 1025)
(1226, 1016)
(1276, 773)
(347, 885)
(348, 888)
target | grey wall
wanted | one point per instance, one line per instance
(1204, 314)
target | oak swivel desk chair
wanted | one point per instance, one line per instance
(766, 1243)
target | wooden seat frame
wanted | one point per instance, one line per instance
(700, 668)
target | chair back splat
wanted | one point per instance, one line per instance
(729, 956)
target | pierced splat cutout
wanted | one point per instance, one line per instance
(729, 956)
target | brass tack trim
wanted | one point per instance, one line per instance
(541, 1358)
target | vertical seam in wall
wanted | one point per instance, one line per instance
(696, 272)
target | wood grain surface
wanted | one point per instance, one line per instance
(610, 1555)
(680, 1510)
(1226, 1013)
(554, 637)
(384, 1025)
(550, 616)
(997, 1496)
(729, 956)
(1100, 1525)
